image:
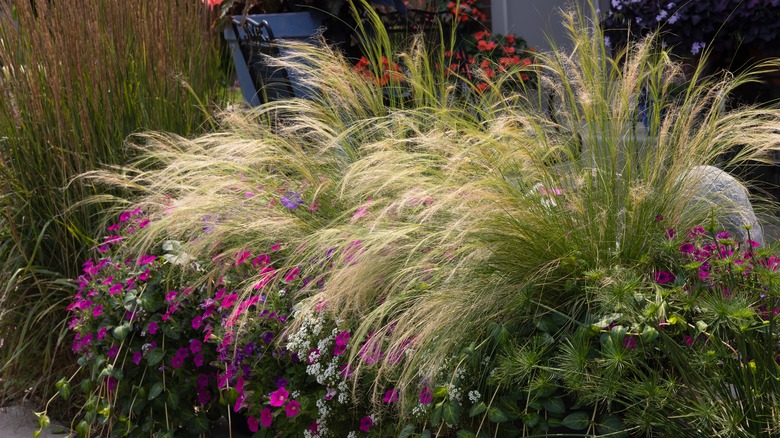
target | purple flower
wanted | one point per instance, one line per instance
(203, 396)
(723, 235)
(198, 360)
(663, 277)
(197, 322)
(137, 356)
(687, 248)
(97, 311)
(102, 333)
(629, 342)
(366, 423)
(113, 351)
(170, 295)
(115, 289)
(426, 396)
(267, 337)
(697, 47)
(292, 200)
(195, 346)
(152, 328)
(177, 361)
(203, 380)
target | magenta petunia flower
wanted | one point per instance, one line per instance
(197, 322)
(242, 256)
(171, 295)
(266, 417)
(137, 356)
(115, 289)
(198, 360)
(177, 361)
(292, 408)
(687, 248)
(391, 396)
(102, 333)
(195, 346)
(278, 397)
(251, 422)
(229, 300)
(152, 328)
(203, 396)
(426, 396)
(292, 274)
(663, 277)
(97, 311)
(366, 423)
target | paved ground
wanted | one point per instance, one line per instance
(20, 422)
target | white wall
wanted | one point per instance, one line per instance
(534, 20)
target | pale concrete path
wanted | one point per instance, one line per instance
(20, 422)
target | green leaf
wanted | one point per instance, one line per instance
(425, 434)
(649, 334)
(154, 357)
(612, 426)
(121, 332)
(463, 433)
(576, 421)
(451, 413)
(436, 415)
(496, 415)
(63, 388)
(172, 400)
(407, 431)
(198, 425)
(554, 405)
(156, 390)
(170, 333)
(82, 429)
(477, 409)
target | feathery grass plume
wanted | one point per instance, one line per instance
(445, 215)
(77, 78)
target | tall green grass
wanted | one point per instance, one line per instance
(77, 78)
(479, 209)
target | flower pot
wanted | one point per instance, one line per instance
(253, 39)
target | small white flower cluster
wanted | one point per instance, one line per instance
(454, 392)
(281, 292)
(474, 396)
(420, 411)
(352, 434)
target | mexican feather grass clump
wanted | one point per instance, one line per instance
(77, 78)
(446, 213)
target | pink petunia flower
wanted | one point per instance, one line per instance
(426, 396)
(266, 417)
(251, 422)
(278, 397)
(391, 396)
(292, 408)
(366, 423)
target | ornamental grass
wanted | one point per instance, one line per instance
(526, 225)
(78, 78)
